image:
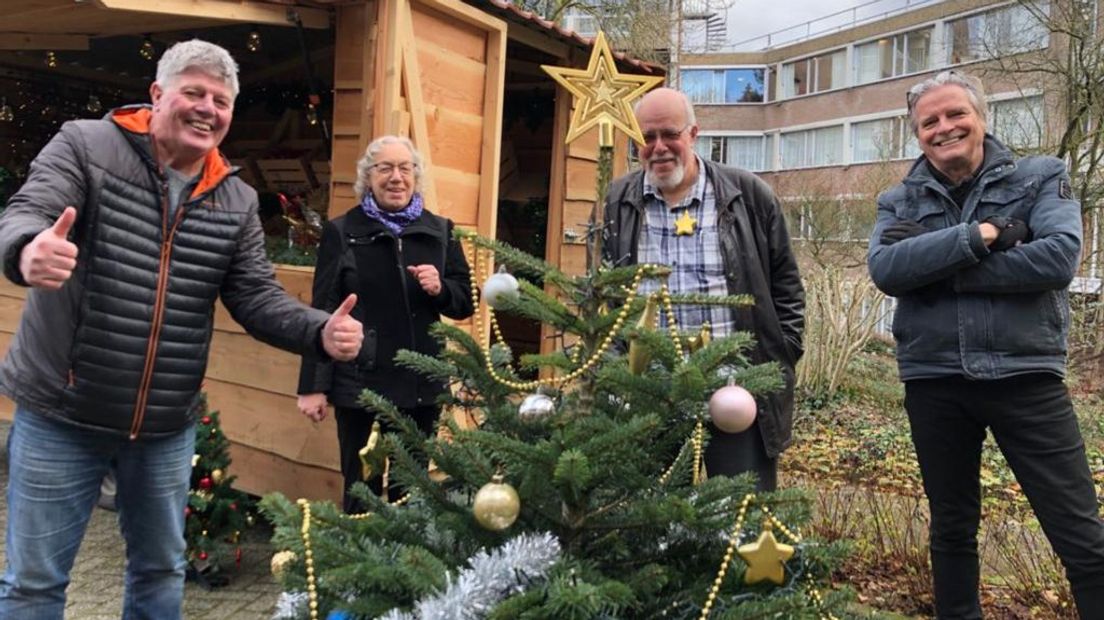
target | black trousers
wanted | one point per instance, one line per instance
(1032, 419)
(354, 425)
(731, 454)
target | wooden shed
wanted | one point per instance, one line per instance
(461, 78)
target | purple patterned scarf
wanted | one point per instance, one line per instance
(395, 221)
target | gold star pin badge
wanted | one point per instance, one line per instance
(766, 558)
(685, 224)
(602, 95)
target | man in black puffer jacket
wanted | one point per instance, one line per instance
(127, 231)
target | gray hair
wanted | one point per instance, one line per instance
(975, 92)
(197, 54)
(366, 161)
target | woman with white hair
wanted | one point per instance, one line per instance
(407, 270)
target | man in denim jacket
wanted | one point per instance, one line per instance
(979, 250)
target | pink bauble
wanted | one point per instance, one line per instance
(732, 409)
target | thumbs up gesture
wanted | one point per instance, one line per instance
(342, 334)
(49, 259)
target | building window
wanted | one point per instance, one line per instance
(813, 75)
(1018, 123)
(908, 52)
(1008, 30)
(883, 140)
(582, 22)
(812, 147)
(745, 152)
(724, 85)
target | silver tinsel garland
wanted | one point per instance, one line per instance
(489, 578)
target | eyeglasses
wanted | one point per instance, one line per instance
(387, 169)
(667, 135)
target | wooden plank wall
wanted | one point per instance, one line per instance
(273, 447)
(356, 38)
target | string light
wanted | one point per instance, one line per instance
(253, 41)
(6, 114)
(51, 59)
(312, 114)
(146, 50)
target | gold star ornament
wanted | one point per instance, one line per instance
(766, 558)
(602, 95)
(684, 225)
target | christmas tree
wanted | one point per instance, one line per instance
(216, 513)
(580, 494)
(587, 486)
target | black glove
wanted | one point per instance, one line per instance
(1012, 232)
(899, 231)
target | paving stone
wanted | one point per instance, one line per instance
(96, 589)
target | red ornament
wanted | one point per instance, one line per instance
(234, 506)
(203, 555)
(205, 419)
(187, 511)
(205, 483)
(237, 556)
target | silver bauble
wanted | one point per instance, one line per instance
(536, 406)
(500, 286)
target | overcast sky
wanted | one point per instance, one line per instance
(754, 18)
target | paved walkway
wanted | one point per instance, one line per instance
(96, 590)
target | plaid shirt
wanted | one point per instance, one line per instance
(695, 260)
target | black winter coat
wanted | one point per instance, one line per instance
(123, 345)
(360, 255)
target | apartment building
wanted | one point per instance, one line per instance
(823, 118)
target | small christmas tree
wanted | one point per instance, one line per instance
(216, 513)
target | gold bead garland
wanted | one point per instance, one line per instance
(672, 326)
(734, 538)
(593, 360)
(308, 558)
(699, 466)
(308, 554)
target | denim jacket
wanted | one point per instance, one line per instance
(961, 309)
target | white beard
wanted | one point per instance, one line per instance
(671, 181)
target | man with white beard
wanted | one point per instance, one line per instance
(722, 232)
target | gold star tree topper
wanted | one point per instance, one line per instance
(766, 558)
(602, 95)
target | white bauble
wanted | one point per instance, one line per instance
(500, 286)
(732, 409)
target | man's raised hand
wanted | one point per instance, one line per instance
(48, 260)
(342, 334)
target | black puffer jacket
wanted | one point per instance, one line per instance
(758, 261)
(360, 255)
(123, 345)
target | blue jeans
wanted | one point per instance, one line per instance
(54, 480)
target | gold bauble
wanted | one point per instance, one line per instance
(496, 505)
(639, 356)
(216, 476)
(281, 560)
